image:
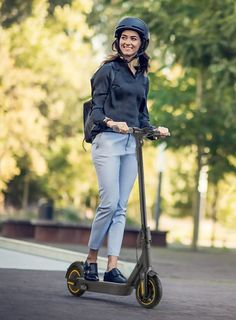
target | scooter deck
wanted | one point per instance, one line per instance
(122, 289)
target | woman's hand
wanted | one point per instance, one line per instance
(118, 126)
(164, 132)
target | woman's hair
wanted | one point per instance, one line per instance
(143, 58)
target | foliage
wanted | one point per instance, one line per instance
(43, 79)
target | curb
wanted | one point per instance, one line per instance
(58, 254)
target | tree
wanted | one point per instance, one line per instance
(47, 63)
(199, 41)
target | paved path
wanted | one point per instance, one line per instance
(17, 260)
(197, 286)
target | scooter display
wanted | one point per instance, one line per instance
(143, 278)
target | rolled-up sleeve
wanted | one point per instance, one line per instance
(143, 111)
(100, 84)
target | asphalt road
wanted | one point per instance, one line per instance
(196, 286)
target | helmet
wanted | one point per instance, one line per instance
(136, 24)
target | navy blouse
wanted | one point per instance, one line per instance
(123, 99)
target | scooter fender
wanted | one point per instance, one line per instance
(74, 264)
(152, 273)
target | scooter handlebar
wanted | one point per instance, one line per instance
(149, 132)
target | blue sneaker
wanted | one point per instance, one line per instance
(91, 271)
(114, 275)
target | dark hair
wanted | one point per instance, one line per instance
(143, 58)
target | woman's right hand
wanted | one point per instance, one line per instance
(121, 127)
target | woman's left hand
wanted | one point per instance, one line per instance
(164, 132)
(117, 126)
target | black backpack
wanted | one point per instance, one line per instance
(87, 110)
(88, 122)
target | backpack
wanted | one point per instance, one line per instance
(87, 111)
(88, 121)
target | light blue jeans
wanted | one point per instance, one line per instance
(114, 158)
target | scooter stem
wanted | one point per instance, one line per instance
(142, 197)
(146, 234)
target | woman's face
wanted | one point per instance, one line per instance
(129, 43)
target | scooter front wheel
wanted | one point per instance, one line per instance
(154, 292)
(74, 272)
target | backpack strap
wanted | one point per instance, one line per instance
(113, 75)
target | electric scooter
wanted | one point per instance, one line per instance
(143, 278)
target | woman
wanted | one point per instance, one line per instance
(119, 93)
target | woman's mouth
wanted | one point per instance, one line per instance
(127, 48)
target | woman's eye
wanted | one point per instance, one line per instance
(126, 38)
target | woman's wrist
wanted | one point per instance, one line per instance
(109, 123)
(106, 120)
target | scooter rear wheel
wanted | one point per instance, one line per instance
(74, 272)
(154, 293)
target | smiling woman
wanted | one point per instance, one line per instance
(119, 98)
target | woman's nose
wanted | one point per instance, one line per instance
(127, 41)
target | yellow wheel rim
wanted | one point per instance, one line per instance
(74, 274)
(152, 296)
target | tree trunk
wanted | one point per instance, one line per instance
(214, 212)
(196, 207)
(25, 199)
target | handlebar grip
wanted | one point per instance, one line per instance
(131, 130)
